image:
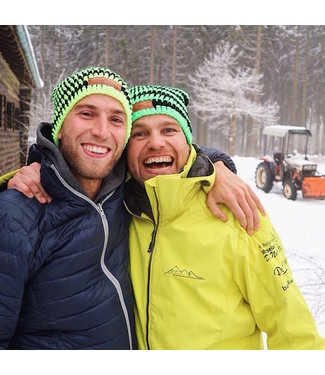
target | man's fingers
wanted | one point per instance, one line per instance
(30, 190)
(250, 204)
(255, 205)
(215, 210)
(27, 181)
(238, 196)
(23, 184)
(20, 186)
(258, 204)
(40, 192)
(244, 208)
(249, 209)
(240, 212)
(41, 197)
(254, 208)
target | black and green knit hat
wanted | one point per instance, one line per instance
(153, 100)
(93, 80)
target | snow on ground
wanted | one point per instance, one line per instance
(301, 226)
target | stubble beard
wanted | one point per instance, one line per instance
(91, 171)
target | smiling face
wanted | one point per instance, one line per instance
(157, 146)
(92, 139)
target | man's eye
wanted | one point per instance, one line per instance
(85, 114)
(117, 120)
(169, 130)
(137, 134)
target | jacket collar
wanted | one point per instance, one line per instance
(176, 189)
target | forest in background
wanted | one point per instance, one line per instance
(286, 63)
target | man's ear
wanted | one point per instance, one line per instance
(59, 134)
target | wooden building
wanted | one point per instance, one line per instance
(18, 76)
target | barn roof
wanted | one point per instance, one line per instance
(17, 50)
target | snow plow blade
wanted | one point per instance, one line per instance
(314, 187)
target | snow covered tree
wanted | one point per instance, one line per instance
(224, 91)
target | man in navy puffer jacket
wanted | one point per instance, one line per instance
(64, 280)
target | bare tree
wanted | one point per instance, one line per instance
(295, 80)
(255, 128)
(107, 47)
(152, 57)
(305, 80)
(174, 57)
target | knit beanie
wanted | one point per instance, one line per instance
(92, 80)
(153, 100)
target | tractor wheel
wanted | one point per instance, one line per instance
(264, 177)
(289, 190)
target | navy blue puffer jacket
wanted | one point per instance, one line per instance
(64, 280)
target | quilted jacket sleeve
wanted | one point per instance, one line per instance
(15, 250)
(264, 277)
(216, 155)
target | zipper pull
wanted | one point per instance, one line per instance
(153, 239)
(102, 213)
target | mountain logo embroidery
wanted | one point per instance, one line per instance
(175, 271)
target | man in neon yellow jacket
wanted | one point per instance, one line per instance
(200, 283)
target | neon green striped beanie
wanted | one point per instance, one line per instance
(92, 80)
(153, 100)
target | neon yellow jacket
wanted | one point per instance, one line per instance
(206, 284)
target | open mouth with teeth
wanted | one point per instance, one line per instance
(158, 162)
(95, 150)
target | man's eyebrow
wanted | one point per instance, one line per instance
(119, 112)
(137, 126)
(91, 106)
(170, 122)
(80, 106)
(162, 124)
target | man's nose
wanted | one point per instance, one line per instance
(156, 141)
(101, 127)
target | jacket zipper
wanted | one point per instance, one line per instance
(109, 275)
(98, 207)
(150, 251)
